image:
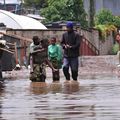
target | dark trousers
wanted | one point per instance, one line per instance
(72, 63)
(1, 78)
(55, 75)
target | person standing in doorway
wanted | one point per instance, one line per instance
(71, 44)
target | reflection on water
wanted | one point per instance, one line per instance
(55, 87)
(39, 88)
(91, 99)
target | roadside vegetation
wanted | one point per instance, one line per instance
(60, 10)
(107, 23)
(64, 10)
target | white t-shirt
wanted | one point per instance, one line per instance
(32, 45)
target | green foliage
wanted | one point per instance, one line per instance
(101, 29)
(64, 10)
(59, 10)
(105, 30)
(115, 48)
(116, 21)
(105, 22)
(104, 17)
(54, 11)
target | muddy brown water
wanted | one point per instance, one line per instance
(95, 98)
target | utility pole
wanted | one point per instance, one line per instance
(4, 5)
(91, 13)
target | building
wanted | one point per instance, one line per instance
(18, 22)
(112, 5)
(61, 25)
(11, 5)
(15, 8)
(14, 21)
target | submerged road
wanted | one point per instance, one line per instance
(96, 97)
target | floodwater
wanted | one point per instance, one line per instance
(96, 98)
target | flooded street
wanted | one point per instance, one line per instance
(93, 99)
(96, 97)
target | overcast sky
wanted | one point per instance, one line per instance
(9, 1)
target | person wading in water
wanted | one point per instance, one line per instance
(55, 56)
(39, 59)
(71, 44)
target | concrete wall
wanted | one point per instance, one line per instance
(40, 33)
(104, 46)
(91, 35)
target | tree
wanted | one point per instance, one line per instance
(103, 17)
(106, 22)
(116, 21)
(35, 3)
(65, 10)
